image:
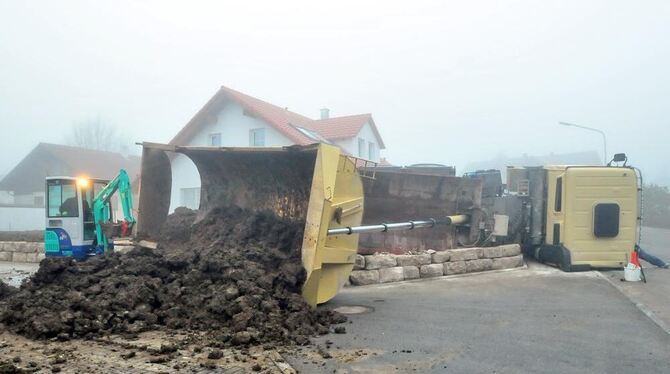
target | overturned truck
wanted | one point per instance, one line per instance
(316, 184)
(574, 217)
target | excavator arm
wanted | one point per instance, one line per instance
(120, 184)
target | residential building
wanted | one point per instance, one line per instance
(233, 119)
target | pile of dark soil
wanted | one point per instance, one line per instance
(235, 274)
(22, 236)
(6, 290)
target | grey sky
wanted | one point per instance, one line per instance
(446, 81)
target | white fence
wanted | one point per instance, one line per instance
(14, 218)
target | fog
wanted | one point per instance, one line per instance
(447, 81)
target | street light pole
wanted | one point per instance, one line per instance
(591, 129)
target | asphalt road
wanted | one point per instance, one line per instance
(538, 320)
(654, 296)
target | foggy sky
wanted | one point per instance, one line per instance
(446, 81)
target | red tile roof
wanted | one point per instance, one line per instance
(341, 127)
(280, 118)
(344, 127)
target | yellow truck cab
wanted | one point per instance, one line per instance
(580, 216)
(592, 212)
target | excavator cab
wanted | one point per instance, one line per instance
(79, 215)
(70, 226)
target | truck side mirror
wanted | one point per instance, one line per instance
(619, 157)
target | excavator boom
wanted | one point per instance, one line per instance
(120, 184)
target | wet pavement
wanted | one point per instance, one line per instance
(537, 320)
(13, 273)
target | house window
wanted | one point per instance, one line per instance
(372, 151)
(215, 139)
(257, 137)
(190, 197)
(361, 148)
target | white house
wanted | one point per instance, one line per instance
(233, 119)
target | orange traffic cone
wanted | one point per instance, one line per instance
(634, 259)
(633, 271)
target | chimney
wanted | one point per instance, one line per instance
(325, 113)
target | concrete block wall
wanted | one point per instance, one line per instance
(385, 268)
(21, 251)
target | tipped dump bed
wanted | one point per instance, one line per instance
(397, 195)
(315, 184)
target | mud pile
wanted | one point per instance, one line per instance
(6, 290)
(235, 274)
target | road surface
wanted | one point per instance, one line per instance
(538, 320)
(654, 296)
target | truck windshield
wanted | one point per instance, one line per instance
(62, 198)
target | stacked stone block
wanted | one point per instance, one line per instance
(21, 251)
(374, 269)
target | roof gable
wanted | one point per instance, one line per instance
(282, 119)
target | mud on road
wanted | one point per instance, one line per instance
(234, 278)
(154, 351)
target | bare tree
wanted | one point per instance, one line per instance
(96, 134)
